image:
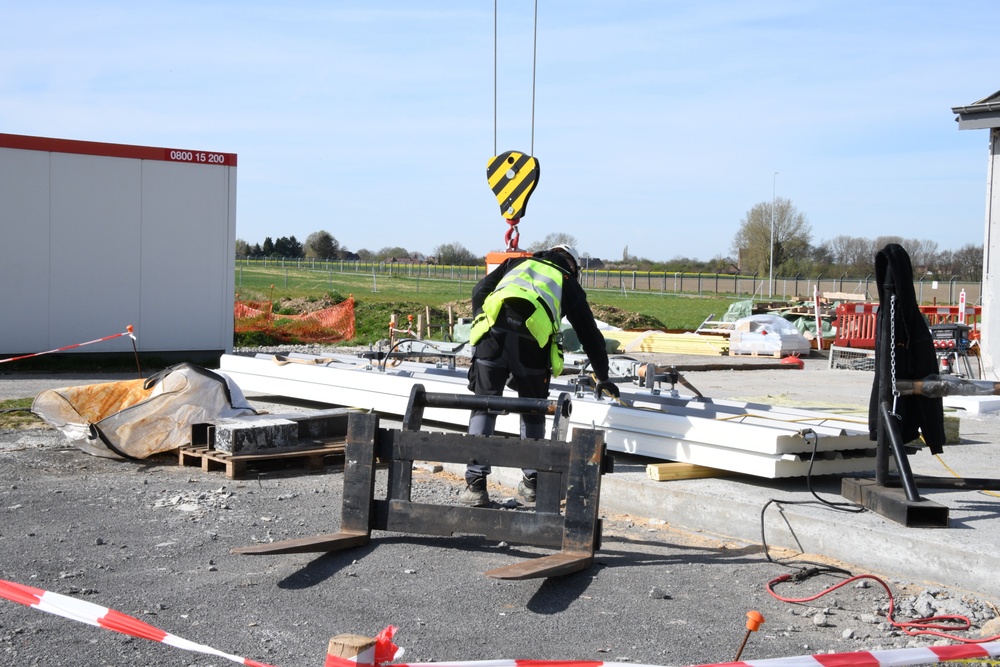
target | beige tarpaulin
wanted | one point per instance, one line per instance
(139, 418)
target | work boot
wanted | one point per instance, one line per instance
(475, 494)
(526, 488)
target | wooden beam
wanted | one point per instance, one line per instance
(664, 472)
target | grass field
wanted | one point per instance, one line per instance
(15, 414)
(378, 296)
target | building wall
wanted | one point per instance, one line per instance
(990, 336)
(101, 236)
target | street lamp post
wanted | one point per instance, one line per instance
(770, 266)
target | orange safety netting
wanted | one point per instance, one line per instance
(330, 325)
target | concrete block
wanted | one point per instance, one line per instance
(243, 436)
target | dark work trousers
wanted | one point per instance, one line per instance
(499, 356)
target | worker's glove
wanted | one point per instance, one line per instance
(607, 386)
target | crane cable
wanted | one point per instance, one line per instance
(534, 62)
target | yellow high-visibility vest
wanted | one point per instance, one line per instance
(539, 283)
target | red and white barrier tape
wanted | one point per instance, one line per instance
(128, 333)
(381, 653)
(384, 650)
(109, 619)
(903, 657)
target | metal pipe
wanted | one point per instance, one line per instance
(939, 386)
(770, 259)
(498, 403)
(899, 452)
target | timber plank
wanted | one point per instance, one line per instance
(663, 472)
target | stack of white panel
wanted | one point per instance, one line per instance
(753, 439)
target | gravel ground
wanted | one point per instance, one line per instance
(153, 540)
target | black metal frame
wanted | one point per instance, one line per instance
(569, 471)
(896, 496)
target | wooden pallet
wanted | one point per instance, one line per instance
(778, 354)
(236, 466)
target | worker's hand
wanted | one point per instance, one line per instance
(609, 387)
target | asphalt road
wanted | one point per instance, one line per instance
(153, 540)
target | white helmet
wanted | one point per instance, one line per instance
(568, 250)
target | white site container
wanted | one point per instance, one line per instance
(100, 236)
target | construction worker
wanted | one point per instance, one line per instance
(518, 309)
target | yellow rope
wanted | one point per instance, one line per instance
(948, 468)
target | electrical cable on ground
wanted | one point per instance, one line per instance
(931, 625)
(837, 506)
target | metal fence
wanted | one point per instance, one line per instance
(784, 288)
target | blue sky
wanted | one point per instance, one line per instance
(657, 124)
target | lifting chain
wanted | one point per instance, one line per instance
(892, 353)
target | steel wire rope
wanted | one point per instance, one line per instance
(797, 420)
(534, 67)
(399, 342)
(534, 61)
(495, 77)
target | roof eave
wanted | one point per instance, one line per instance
(979, 115)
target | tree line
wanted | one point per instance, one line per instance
(323, 245)
(777, 232)
(770, 234)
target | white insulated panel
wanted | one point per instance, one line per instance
(24, 257)
(94, 249)
(186, 275)
(769, 448)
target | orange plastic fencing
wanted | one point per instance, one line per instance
(856, 322)
(330, 325)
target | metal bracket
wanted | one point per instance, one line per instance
(897, 497)
(568, 472)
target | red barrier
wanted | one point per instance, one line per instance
(856, 325)
(949, 315)
(856, 322)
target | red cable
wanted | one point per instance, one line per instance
(924, 626)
